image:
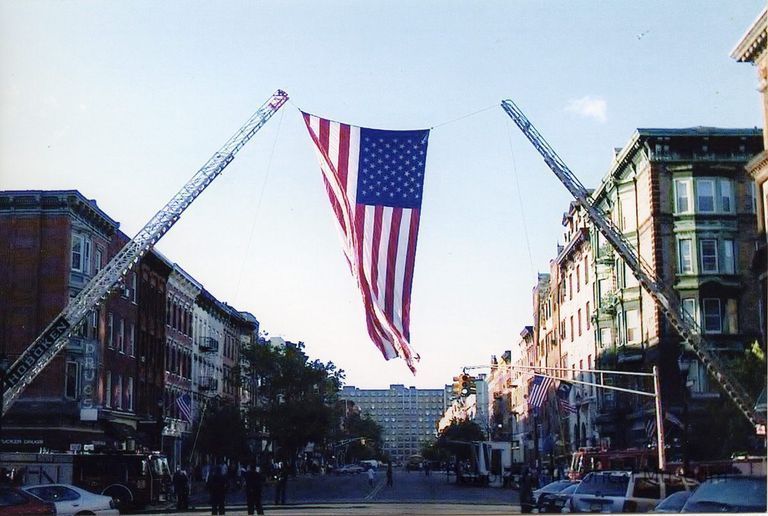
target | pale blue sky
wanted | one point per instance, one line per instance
(126, 100)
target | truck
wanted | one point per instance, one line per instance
(133, 480)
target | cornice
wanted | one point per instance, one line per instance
(753, 43)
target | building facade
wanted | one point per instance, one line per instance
(408, 416)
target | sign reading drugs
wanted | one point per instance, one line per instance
(39, 348)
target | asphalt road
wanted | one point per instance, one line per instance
(411, 493)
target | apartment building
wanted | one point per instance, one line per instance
(408, 416)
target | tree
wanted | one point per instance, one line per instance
(294, 395)
(455, 436)
(222, 432)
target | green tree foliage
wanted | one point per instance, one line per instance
(455, 436)
(222, 433)
(294, 395)
(369, 430)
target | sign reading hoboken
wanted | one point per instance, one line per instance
(32, 355)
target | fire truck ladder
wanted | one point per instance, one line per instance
(667, 299)
(37, 356)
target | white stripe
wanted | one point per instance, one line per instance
(333, 143)
(354, 159)
(368, 241)
(386, 222)
(402, 251)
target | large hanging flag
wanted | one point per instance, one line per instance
(563, 397)
(375, 179)
(650, 428)
(539, 389)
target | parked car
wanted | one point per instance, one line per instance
(541, 495)
(74, 501)
(16, 501)
(624, 491)
(558, 502)
(733, 493)
(349, 469)
(673, 502)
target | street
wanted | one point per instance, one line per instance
(411, 493)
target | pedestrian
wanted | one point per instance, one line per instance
(371, 476)
(282, 483)
(389, 474)
(526, 492)
(181, 488)
(426, 468)
(254, 481)
(217, 487)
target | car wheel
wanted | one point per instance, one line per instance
(120, 495)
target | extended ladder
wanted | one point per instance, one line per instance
(666, 298)
(54, 338)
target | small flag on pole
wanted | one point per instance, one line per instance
(374, 180)
(650, 428)
(563, 397)
(184, 402)
(538, 392)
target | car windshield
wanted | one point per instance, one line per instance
(674, 502)
(555, 487)
(729, 494)
(604, 484)
(570, 489)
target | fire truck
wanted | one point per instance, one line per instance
(133, 480)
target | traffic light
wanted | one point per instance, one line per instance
(456, 386)
(466, 383)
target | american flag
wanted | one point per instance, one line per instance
(650, 428)
(563, 395)
(184, 402)
(538, 392)
(375, 180)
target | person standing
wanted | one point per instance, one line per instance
(254, 481)
(426, 468)
(389, 474)
(217, 487)
(282, 484)
(371, 476)
(181, 488)
(526, 492)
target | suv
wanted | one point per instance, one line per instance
(624, 491)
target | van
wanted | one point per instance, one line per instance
(625, 491)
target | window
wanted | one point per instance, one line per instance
(708, 256)
(606, 337)
(713, 322)
(77, 253)
(71, 379)
(586, 271)
(97, 260)
(578, 320)
(689, 305)
(110, 323)
(705, 195)
(731, 316)
(729, 263)
(751, 198)
(578, 278)
(118, 391)
(633, 325)
(134, 288)
(121, 336)
(132, 340)
(685, 265)
(682, 196)
(647, 487)
(587, 314)
(572, 329)
(129, 394)
(108, 390)
(726, 195)
(570, 286)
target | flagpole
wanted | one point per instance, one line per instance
(197, 433)
(659, 419)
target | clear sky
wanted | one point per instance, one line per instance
(125, 101)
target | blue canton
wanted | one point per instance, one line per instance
(391, 169)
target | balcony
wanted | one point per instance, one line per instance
(208, 383)
(209, 345)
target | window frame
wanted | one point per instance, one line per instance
(686, 188)
(729, 256)
(699, 184)
(703, 256)
(726, 184)
(705, 316)
(682, 260)
(76, 392)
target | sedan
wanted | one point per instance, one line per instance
(541, 495)
(73, 501)
(736, 493)
(16, 501)
(673, 502)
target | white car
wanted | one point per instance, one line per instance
(73, 501)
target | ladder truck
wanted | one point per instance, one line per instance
(54, 338)
(666, 298)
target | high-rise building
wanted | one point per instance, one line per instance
(408, 416)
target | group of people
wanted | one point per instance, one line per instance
(217, 484)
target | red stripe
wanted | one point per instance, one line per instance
(343, 167)
(378, 214)
(325, 134)
(394, 235)
(410, 260)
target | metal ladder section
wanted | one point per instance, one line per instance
(666, 298)
(37, 356)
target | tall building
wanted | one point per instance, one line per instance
(683, 199)
(408, 416)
